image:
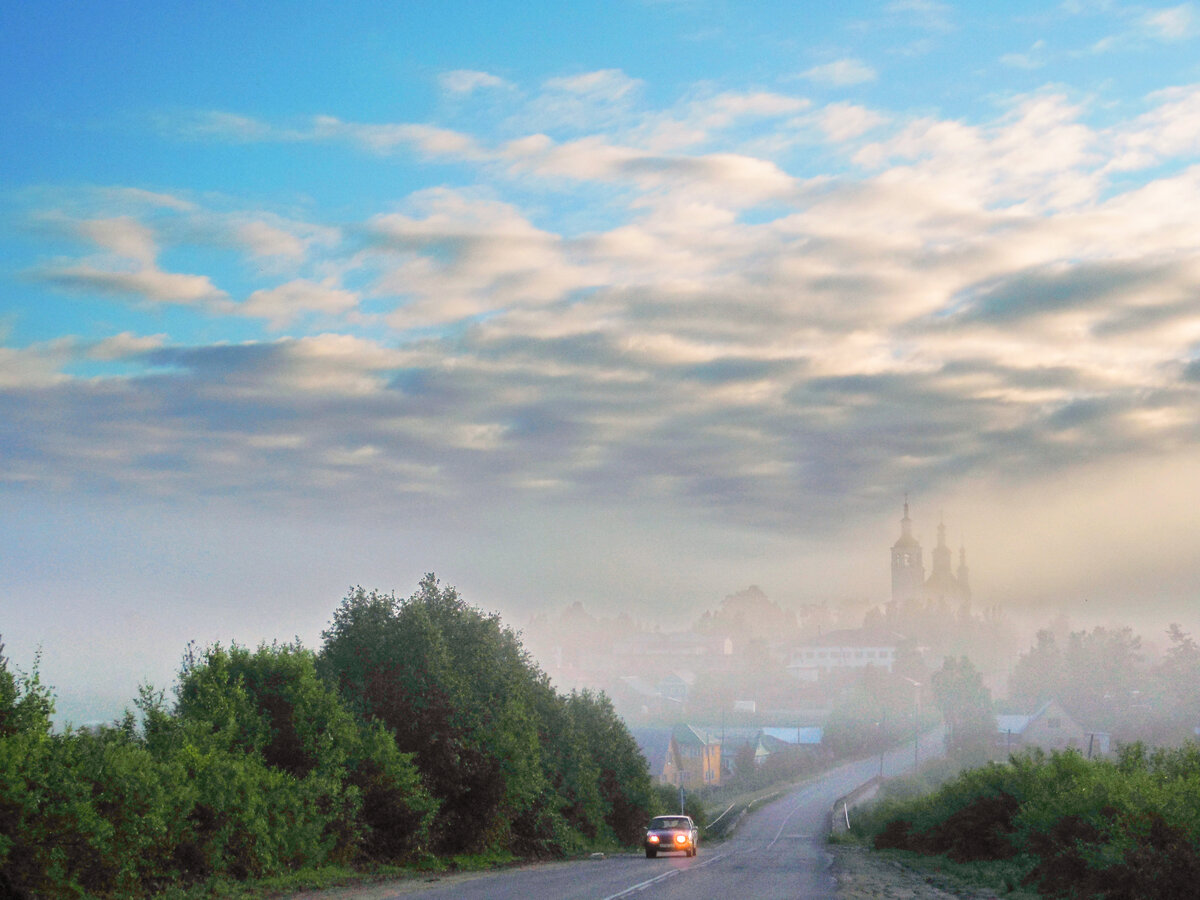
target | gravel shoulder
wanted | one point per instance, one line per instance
(863, 875)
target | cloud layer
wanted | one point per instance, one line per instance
(731, 328)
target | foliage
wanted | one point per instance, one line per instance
(512, 764)
(1120, 829)
(877, 711)
(258, 769)
(1098, 677)
(666, 802)
(966, 706)
(422, 725)
(624, 781)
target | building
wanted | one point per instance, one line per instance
(693, 757)
(697, 755)
(1048, 728)
(840, 651)
(944, 585)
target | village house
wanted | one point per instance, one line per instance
(1048, 728)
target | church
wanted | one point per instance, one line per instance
(944, 586)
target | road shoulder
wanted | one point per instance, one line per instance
(864, 875)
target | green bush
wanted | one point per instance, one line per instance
(512, 765)
(422, 726)
(1122, 829)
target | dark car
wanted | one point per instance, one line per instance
(671, 833)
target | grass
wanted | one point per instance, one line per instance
(1004, 877)
(328, 877)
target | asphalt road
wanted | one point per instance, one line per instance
(777, 852)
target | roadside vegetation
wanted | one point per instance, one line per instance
(1125, 828)
(421, 734)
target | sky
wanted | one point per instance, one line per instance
(634, 303)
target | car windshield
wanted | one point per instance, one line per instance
(669, 822)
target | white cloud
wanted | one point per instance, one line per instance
(467, 81)
(124, 236)
(462, 256)
(139, 197)
(376, 137)
(736, 179)
(589, 101)
(283, 304)
(149, 283)
(1175, 23)
(263, 239)
(34, 367)
(702, 118)
(846, 121)
(1170, 129)
(384, 138)
(928, 14)
(978, 284)
(129, 268)
(124, 345)
(604, 84)
(1033, 58)
(841, 73)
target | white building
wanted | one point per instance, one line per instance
(844, 650)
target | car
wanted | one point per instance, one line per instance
(671, 834)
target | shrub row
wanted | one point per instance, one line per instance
(1120, 829)
(420, 727)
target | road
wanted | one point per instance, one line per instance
(777, 853)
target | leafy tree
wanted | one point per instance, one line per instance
(1098, 677)
(26, 705)
(267, 713)
(966, 706)
(624, 780)
(876, 711)
(1178, 685)
(454, 686)
(1039, 674)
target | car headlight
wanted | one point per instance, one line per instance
(653, 838)
(681, 838)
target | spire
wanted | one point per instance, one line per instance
(908, 568)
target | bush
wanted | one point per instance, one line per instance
(1119, 830)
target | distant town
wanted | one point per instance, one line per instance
(751, 679)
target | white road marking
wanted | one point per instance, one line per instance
(641, 886)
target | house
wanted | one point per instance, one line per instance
(693, 757)
(701, 755)
(1048, 728)
(844, 650)
(654, 741)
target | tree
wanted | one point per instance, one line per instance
(1098, 678)
(1039, 674)
(454, 686)
(250, 716)
(966, 706)
(625, 788)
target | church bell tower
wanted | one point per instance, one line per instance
(908, 566)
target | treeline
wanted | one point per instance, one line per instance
(421, 727)
(1106, 681)
(1120, 829)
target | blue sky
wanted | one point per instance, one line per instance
(634, 303)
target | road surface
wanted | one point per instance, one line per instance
(777, 853)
